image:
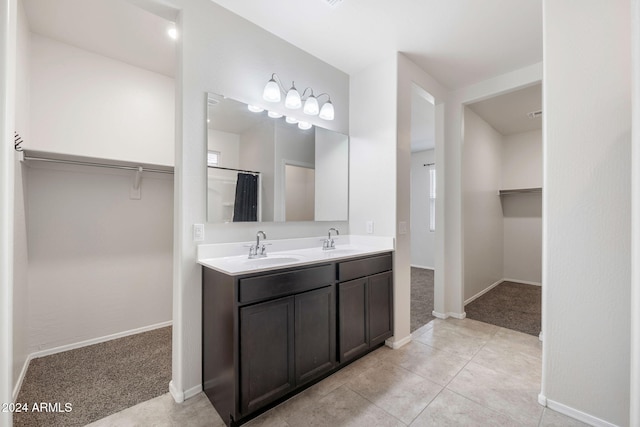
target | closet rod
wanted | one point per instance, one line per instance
(232, 169)
(100, 165)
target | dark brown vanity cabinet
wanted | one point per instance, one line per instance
(365, 298)
(284, 344)
(265, 335)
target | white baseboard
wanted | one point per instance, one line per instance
(524, 282)
(189, 393)
(542, 399)
(449, 314)
(424, 267)
(457, 315)
(493, 285)
(98, 340)
(23, 373)
(48, 352)
(482, 292)
(541, 337)
(576, 414)
(177, 395)
(396, 344)
(180, 396)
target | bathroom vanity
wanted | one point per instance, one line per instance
(275, 325)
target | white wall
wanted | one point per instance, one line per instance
(482, 209)
(99, 262)
(409, 75)
(332, 175)
(522, 160)
(90, 105)
(223, 53)
(522, 231)
(635, 200)
(587, 148)
(422, 240)
(7, 107)
(20, 264)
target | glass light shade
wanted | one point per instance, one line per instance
(311, 106)
(291, 120)
(304, 125)
(173, 33)
(271, 91)
(293, 101)
(274, 115)
(256, 109)
(327, 112)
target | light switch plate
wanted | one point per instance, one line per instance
(402, 227)
(369, 227)
(198, 232)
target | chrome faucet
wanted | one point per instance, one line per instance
(329, 243)
(258, 251)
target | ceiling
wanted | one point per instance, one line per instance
(114, 28)
(458, 42)
(508, 113)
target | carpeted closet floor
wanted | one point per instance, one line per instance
(421, 297)
(96, 380)
(514, 306)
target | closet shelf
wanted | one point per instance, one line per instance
(520, 191)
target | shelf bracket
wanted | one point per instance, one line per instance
(134, 192)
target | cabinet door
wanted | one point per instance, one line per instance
(266, 352)
(380, 307)
(353, 325)
(315, 334)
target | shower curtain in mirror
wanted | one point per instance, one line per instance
(246, 202)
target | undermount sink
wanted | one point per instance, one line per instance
(342, 252)
(270, 261)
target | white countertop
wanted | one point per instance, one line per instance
(232, 258)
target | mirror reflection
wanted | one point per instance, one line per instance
(266, 169)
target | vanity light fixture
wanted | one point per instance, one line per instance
(326, 112)
(304, 125)
(293, 101)
(311, 105)
(255, 109)
(274, 89)
(274, 115)
(271, 91)
(291, 120)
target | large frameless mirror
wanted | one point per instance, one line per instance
(263, 169)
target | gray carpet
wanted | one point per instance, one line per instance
(97, 380)
(511, 305)
(421, 297)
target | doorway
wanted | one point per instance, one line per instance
(423, 205)
(502, 209)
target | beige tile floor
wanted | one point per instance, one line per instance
(453, 373)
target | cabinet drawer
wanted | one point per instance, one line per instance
(364, 267)
(270, 286)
